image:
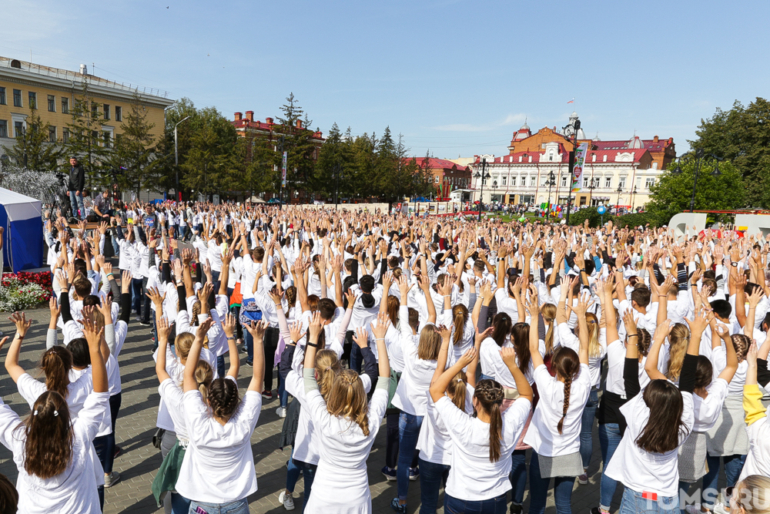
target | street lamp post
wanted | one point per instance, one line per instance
(176, 159)
(617, 205)
(591, 188)
(482, 177)
(494, 191)
(700, 154)
(575, 128)
(550, 183)
(633, 198)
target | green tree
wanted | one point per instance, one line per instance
(211, 165)
(86, 139)
(33, 148)
(165, 172)
(741, 135)
(672, 194)
(294, 136)
(334, 167)
(134, 150)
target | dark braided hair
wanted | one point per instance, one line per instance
(223, 398)
(490, 396)
(567, 366)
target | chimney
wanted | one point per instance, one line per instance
(238, 116)
(299, 124)
(269, 121)
(83, 69)
(250, 115)
(655, 139)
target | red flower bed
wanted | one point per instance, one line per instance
(43, 279)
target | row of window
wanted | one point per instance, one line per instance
(65, 104)
(649, 182)
(19, 129)
(454, 181)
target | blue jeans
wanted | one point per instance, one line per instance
(179, 504)
(292, 473)
(633, 503)
(408, 433)
(236, 507)
(609, 439)
(136, 295)
(432, 477)
(283, 394)
(182, 232)
(518, 476)
(308, 472)
(538, 490)
(356, 358)
(221, 365)
(105, 444)
(76, 201)
(733, 468)
(486, 377)
(492, 506)
(586, 427)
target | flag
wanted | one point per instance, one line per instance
(571, 101)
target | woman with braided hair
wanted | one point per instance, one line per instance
(554, 433)
(217, 473)
(481, 445)
(346, 423)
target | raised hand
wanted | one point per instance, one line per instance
(361, 337)
(22, 323)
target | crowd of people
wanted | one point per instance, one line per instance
(489, 352)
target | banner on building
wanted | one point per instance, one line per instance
(283, 169)
(577, 171)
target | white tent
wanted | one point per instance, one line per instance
(21, 216)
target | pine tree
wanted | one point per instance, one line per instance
(294, 136)
(134, 149)
(33, 148)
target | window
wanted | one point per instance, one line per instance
(65, 105)
(18, 128)
(106, 138)
(564, 181)
(94, 110)
(3, 128)
(118, 113)
(484, 182)
(513, 181)
(94, 137)
(2, 96)
(32, 100)
(622, 183)
(655, 165)
(65, 135)
(649, 183)
(608, 182)
(505, 179)
(533, 181)
(51, 134)
(436, 179)
(106, 112)
(51, 103)
(17, 98)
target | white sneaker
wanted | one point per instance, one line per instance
(287, 500)
(281, 412)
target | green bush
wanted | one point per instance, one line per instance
(590, 214)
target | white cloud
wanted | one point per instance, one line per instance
(511, 119)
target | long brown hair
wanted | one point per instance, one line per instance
(678, 340)
(643, 342)
(56, 364)
(9, 496)
(520, 341)
(393, 306)
(347, 399)
(49, 438)
(741, 344)
(548, 311)
(489, 395)
(223, 398)
(460, 317)
(203, 375)
(567, 366)
(594, 348)
(327, 365)
(430, 343)
(502, 326)
(661, 434)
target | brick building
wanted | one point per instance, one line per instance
(446, 175)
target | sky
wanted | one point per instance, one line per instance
(454, 77)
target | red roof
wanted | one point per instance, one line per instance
(538, 157)
(438, 164)
(649, 144)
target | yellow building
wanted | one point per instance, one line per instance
(55, 91)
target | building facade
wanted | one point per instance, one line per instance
(446, 175)
(615, 172)
(54, 92)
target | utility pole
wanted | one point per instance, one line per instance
(572, 154)
(176, 159)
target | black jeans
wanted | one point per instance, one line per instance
(270, 343)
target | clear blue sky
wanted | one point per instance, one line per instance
(453, 76)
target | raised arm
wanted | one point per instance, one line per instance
(12, 358)
(257, 331)
(228, 325)
(651, 365)
(164, 330)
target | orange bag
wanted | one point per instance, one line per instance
(236, 298)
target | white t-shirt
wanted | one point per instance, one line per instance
(472, 477)
(74, 491)
(418, 373)
(543, 435)
(434, 442)
(219, 464)
(639, 470)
